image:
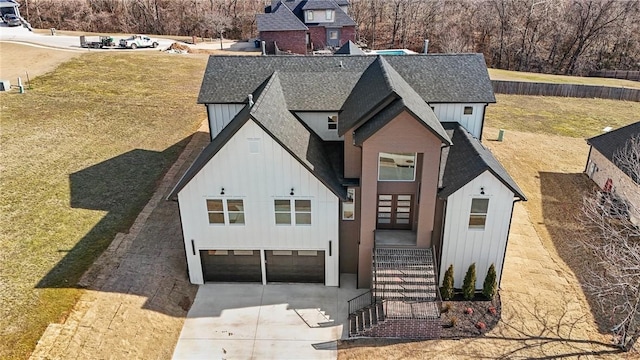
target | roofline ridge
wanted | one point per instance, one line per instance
(260, 99)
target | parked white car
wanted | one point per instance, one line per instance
(138, 41)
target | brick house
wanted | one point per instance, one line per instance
(298, 26)
(607, 173)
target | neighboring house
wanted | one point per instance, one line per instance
(603, 168)
(299, 26)
(319, 166)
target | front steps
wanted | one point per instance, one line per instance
(404, 297)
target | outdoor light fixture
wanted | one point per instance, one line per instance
(291, 193)
(222, 191)
(482, 190)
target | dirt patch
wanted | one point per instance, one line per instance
(18, 60)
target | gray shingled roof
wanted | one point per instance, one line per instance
(610, 143)
(270, 112)
(320, 83)
(282, 19)
(465, 160)
(349, 48)
(319, 5)
(366, 107)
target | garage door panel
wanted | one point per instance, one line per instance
(231, 266)
(295, 267)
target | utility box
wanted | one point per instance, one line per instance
(5, 85)
(501, 135)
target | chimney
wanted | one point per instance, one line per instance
(426, 46)
(264, 48)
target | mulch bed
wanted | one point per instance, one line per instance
(460, 322)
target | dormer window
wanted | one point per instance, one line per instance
(309, 15)
(328, 14)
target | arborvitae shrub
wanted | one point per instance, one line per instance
(469, 285)
(490, 286)
(447, 284)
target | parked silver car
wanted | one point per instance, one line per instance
(12, 20)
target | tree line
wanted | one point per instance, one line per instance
(549, 36)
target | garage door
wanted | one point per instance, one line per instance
(295, 266)
(230, 265)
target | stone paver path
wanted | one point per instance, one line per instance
(138, 292)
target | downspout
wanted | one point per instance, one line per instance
(209, 121)
(484, 112)
(505, 248)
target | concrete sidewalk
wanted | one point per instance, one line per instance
(275, 321)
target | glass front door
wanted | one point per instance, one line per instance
(395, 211)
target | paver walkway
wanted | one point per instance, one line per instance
(138, 292)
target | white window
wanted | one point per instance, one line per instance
(292, 212)
(478, 216)
(396, 166)
(328, 14)
(332, 123)
(468, 110)
(309, 15)
(225, 211)
(333, 34)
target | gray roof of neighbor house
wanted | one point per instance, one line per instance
(325, 82)
(271, 114)
(610, 143)
(465, 160)
(319, 5)
(298, 6)
(349, 48)
(281, 19)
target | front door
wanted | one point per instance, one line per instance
(395, 211)
(333, 37)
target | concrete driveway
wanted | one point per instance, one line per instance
(276, 321)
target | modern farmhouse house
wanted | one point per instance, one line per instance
(299, 26)
(609, 174)
(319, 166)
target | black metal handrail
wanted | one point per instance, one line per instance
(361, 302)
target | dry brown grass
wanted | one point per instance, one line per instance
(17, 60)
(80, 155)
(498, 74)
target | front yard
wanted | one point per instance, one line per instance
(80, 155)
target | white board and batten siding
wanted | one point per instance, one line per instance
(253, 167)
(319, 123)
(455, 112)
(462, 246)
(220, 115)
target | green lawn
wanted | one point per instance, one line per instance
(498, 74)
(80, 155)
(560, 116)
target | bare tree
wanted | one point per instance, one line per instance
(614, 240)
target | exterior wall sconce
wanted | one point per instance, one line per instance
(292, 193)
(222, 191)
(482, 190)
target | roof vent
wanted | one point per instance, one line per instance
(340, 65)
(250, 100)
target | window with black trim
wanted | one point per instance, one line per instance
(332, 122)
(396, 166)
(225, 211)
(478, 215)
(468, 110)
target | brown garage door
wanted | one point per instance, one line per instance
(239, 265)
(295, 266)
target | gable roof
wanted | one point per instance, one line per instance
(349, 48)
(324, 82)
(465, 160)
(610, 143)
(367, 107)
(271, 114)
(281, 19)
(319, 5)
